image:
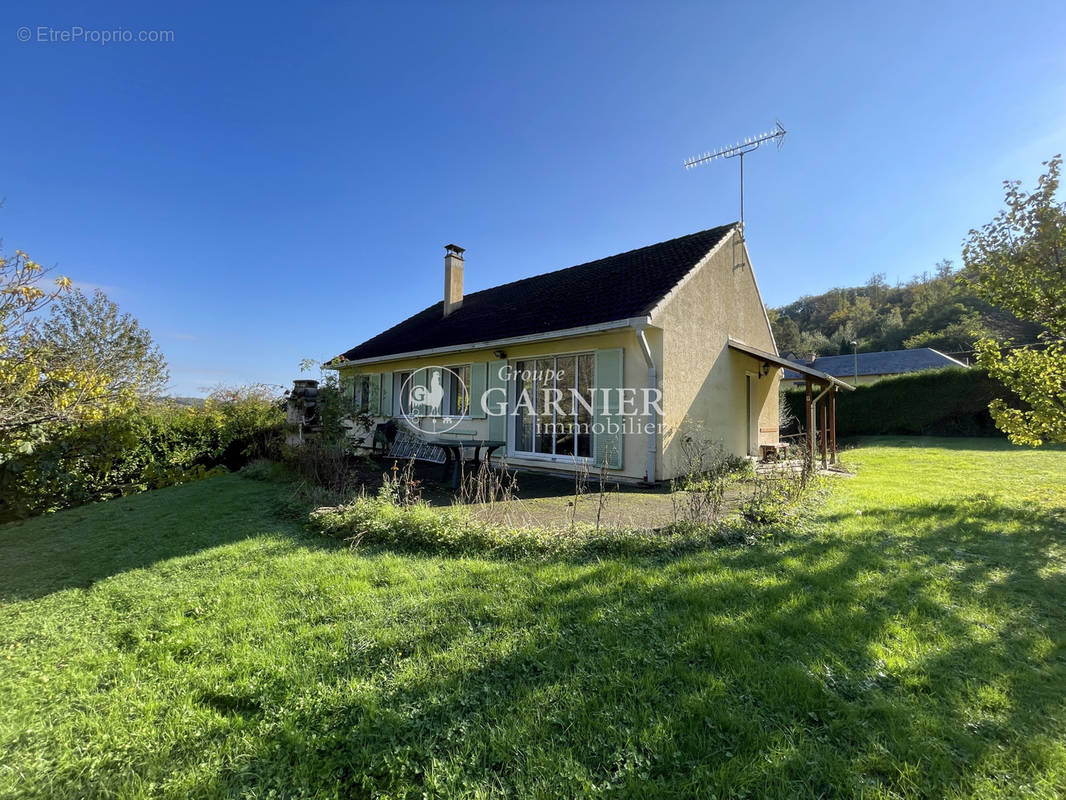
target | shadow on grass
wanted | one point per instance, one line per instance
(920, 654)
(80, 546)
(918, 651)
(77, 547)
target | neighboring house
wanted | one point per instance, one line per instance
(872, 367)
(684, 317)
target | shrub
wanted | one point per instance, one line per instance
(328, 455)
(149, 447)
(707, 470)
(376, 521)
(774, 496)
(263, 469)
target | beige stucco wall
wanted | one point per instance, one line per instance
(634, 371)
(704, 379)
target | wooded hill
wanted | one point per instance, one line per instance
(937, 310)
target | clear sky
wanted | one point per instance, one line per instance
(279, 181)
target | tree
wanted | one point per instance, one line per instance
(1018, 262)
(22, 299)
(85, 361)
(786, 331)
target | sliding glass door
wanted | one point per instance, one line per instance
(550, 418)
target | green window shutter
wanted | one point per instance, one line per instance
(347, 391)
(374, 406)
(607, 446)
(496, 398)
(386, 395)
(477, 390)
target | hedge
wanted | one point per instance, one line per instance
(149, 447)
(945, 402)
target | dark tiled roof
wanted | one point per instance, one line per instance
(615, 288)
(889, 362)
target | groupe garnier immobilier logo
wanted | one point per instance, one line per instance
(424, 393)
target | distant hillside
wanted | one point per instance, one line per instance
(187, 401)
(936, 311)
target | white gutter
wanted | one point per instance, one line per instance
(639, 326)
(513, 340)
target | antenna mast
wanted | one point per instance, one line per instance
(740, 149)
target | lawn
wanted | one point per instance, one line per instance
(907, 640)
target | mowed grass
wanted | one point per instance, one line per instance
(908, 640)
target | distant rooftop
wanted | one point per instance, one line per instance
(888, 362)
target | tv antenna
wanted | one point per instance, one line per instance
(739, 150)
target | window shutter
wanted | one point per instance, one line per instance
(477, 390)
(374, 406)
(497, 385)
(347, 391)
(607, 446)
(386, 407)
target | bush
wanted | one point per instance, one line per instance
(947, 402)
(707, 470)
(377, 521)
(263, 469)
(775, 496)
(149, 447)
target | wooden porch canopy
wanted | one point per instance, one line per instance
(824, 404)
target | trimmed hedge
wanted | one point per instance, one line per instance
(945, 402)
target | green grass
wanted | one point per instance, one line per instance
(187, 643)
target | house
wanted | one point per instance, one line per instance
(864, 368)
(604, 363)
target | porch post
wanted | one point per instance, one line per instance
(825, 430)
(810, 420)
(833, 424)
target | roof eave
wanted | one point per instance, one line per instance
(545, 336)
(784, 363)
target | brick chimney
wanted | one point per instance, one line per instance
(453, 278)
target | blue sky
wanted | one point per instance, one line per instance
(279, 181)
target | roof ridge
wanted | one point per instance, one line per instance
(605, 289)
(597, 260)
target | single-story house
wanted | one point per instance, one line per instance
(864, 368)
(637, 345)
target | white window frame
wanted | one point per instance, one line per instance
(398, 379)
(446, 403)
(361, 399)
(512, 403)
